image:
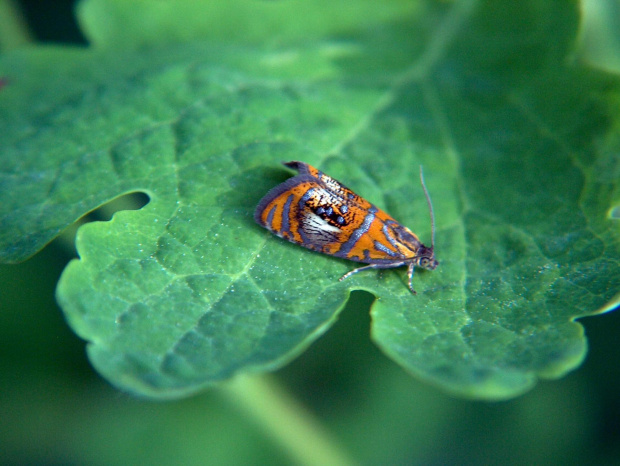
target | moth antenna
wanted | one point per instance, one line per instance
(430, 208)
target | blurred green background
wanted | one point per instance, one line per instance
(55, 409)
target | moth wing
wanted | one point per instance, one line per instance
(344, 194)
(379, 240)
(320, 213)
(273, 210)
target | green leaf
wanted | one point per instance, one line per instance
(518, 147)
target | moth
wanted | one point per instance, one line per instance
(319, 213)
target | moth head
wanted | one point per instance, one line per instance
(425, 258)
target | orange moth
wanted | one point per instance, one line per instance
(319, 213)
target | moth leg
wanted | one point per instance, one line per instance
(359, 269)
(410, 270)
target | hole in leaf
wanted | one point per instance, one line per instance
(131, 201)
(614, 213)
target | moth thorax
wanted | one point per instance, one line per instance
(405, 236)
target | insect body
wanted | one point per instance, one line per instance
(319, 213)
